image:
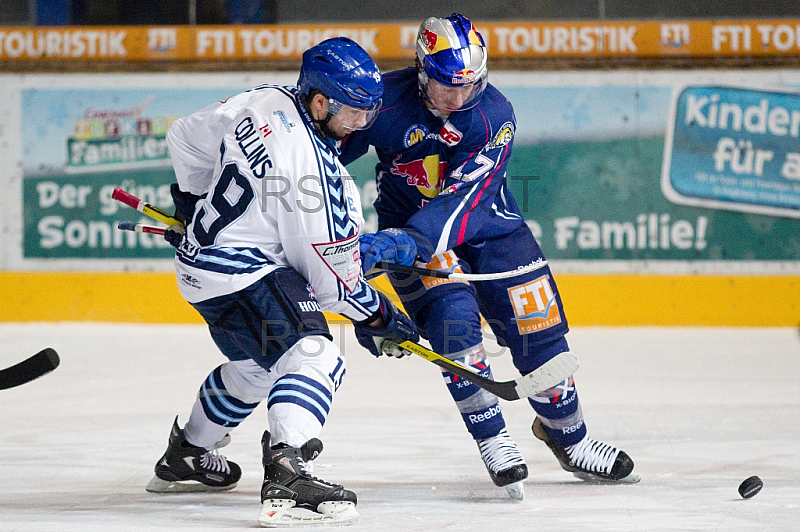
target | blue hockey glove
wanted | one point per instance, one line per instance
(390, 245)
(396, 327)
(184, 211)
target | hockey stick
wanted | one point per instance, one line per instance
(145, 208)
(141, 228)
(552, 372)
(32, 368)
(453, 276)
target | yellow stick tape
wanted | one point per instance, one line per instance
(624, 300)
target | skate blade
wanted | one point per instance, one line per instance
(632, 478)
(516, 491)
(159, 485)
(275, 514)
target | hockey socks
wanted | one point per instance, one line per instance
(560, 411)
(479, 409)
(216, 410)
(483, 418)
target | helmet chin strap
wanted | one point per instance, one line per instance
(323, 127)
(422, 80)
(322, 124)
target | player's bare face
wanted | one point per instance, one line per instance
(447, 99)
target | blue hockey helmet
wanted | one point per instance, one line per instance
(345, 73)
(451, 52)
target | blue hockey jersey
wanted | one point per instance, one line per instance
(442, 177)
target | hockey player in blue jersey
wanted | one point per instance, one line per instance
(443, 139)
(271, 240)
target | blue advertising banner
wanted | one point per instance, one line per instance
(734, 148)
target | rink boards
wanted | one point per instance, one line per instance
(609, 299)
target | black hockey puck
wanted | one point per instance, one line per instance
(750, 487)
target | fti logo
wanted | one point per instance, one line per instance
(447, 261)
(535, 306)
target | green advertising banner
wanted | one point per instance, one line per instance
(587, 169)
(74, 216)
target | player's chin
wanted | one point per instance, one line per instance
(342, 132)
(337, 133)
(447, 108)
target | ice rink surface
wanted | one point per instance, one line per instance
(698, 409)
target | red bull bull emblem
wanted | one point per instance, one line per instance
(422, 173)
(430, 38)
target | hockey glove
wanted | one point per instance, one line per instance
(174, 234)
(396, 327)
(184, 210)
(390, 245)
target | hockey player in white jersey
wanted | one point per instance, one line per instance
(271, 240)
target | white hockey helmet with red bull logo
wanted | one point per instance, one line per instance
(451, 60)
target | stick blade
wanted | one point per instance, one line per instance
(552, 372)
(29, 369)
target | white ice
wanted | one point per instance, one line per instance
(698, 409)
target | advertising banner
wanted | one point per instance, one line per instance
(78, 145)
(734, 148)
(392, 41)
(649, 169)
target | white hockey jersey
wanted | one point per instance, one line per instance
(273, 194)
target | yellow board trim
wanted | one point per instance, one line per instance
(607, 300)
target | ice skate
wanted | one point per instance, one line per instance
(591, 460)
(288, 484)
(186, 468)
(505, 463)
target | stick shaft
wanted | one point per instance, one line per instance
(455, 276)
(141, 228)
(145, 208)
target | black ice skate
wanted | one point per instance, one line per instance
(186, 468)
(505, 463)
(288, 483)
(590, 459)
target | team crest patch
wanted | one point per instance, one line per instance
(535, 306)
(450, 135)
(503, 136)
(343, 259)
(414, 134)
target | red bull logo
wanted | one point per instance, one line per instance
(434, 42)
(430, 38)
(466, 75)
(425, 174)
